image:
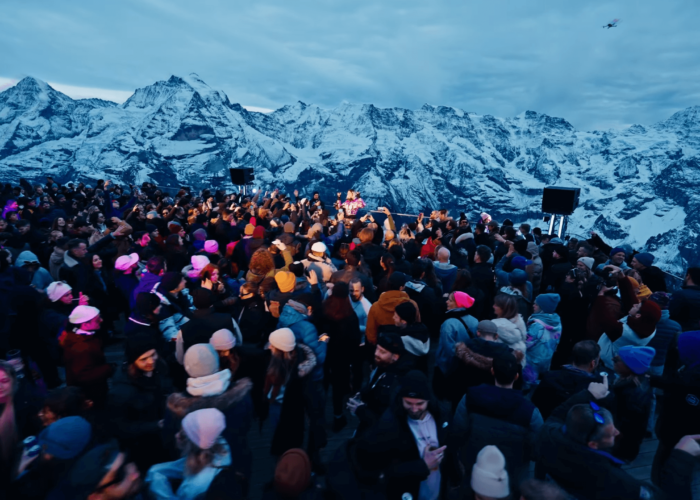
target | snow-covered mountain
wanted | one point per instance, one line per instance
(638, 185)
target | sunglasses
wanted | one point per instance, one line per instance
(599, 420)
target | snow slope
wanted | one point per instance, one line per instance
(638, 185)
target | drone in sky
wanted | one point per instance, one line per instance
(612, 24)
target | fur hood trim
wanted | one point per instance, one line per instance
(181, 404)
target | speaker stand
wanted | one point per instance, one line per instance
(562, 224)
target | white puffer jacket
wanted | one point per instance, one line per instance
(513, 333)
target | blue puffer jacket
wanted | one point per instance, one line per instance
(452, 332)
(304, 332)
(667, 332)
(543, 334)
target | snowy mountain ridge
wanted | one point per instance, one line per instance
(638, 185)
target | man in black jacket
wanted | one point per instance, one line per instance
(408, 444)
(500, 416)
(482, 273)
(652, 276)
(685, 304)
(557, 386)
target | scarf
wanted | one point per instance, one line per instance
(211, 385)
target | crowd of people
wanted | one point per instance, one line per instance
(475, 359)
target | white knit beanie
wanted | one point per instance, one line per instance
(489, 476)
(201, 360)
(223, 340)
(203, 427)
(588, 262)
(283, 339)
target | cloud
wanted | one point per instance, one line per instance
(498, 58)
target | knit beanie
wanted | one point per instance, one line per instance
(645, 325)
(170, 281)
(283, 339)
(562, 252)
(617, 250)
(211, 246)
(249, 228)
(66, 438)
(517, 277)
(406, 312)
(635, 283)
(203, 427)
(200, 234)
(293, 473)
(650, 312)
(415, 385)
(548, 302)
(689, 348)
(391, 341)
(646, 259)
(146, 303)
(463, 300)
(201, 360)
(638, 359)
(489, 475)
(174, 227)
(82, 314)
(398, 279)
(57, 289)
(289, 227)
(520, 262)
(199, 262)
(223, 340)
(202, 298)
(662, 299)
(259, 233)
(589, 262)
(644, 292)
(285, 281)
(137, 345)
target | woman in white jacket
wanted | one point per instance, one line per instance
(205, 453)
(511, 327)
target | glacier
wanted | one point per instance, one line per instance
(638, 185)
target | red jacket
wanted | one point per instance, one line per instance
(86, 365)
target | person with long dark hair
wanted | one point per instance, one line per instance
(342, 326)
(176, 257)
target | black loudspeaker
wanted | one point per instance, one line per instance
(560, 200)
(241, 176)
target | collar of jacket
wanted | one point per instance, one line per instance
(70, 261)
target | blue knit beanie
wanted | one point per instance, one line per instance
(517, 277)
(66, 438)
(548, 302)
(637, 359)
(618, 250)
(645, 259)
(689, 348)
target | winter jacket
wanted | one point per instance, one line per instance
(55, 262)
(654, 278)
(348, 273)
(490, 415)
(543, 334)
(233, 399)
(382, 312)
(685, 307)
(161, 478)
(175, 312)
(680, 408)
(126, 284)
(147, 284)
(323, 267)
(609, 348)
(41, 277)
(447, 273)
(536, 269)
(633, 403)
(513, 333)
(607, 310)
(86, 365)
(430, 306)
(483, 278)
(201, 327)
(459, 326)
(557, 386)
(305, 332)
(74, 272)
(136, 405)
(390, 449)
(416, 343)
(667, 332)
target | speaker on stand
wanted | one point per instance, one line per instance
(560, 201)
(242, 177)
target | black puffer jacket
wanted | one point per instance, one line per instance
(557, 386)
(633, 406)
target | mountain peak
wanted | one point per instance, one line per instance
(687, 120)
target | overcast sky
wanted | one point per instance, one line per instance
(498, 57)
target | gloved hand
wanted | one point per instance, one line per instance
(598, 390)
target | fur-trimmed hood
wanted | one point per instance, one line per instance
(471, 358)
(181, 403)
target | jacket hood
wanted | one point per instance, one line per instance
(25, 257)
(389, 300)
(471, 358)
(290, 316)
(181, 403)
(552, 320)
